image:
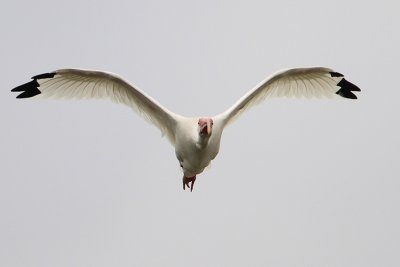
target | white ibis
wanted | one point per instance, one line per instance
(197, 139)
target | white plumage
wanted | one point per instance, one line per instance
(196, 140)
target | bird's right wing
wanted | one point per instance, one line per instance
(80, 84)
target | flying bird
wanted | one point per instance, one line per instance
(196, 139)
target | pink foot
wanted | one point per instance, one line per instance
(187, 180)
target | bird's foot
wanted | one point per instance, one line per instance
(187, 180)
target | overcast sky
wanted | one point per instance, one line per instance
(296, 183)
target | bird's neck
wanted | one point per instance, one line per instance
(202, 141)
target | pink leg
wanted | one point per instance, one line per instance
(187, 180)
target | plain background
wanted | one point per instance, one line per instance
(296, 183)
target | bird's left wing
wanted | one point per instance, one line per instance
(299, 82)
(80, 84)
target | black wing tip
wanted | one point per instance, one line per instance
(31, 89)
(336, 74)
(44, 76)
(346, 89)
(29, 93)
(345, 83)
(346, 94)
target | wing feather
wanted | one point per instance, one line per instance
(82, 84)
(310, 82)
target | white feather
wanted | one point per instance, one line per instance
(300, 82)
(81, 84)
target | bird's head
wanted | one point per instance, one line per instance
(205, 127)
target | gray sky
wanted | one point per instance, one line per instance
(296, 183)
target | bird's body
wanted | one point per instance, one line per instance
(193, 151)
(197, 139)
